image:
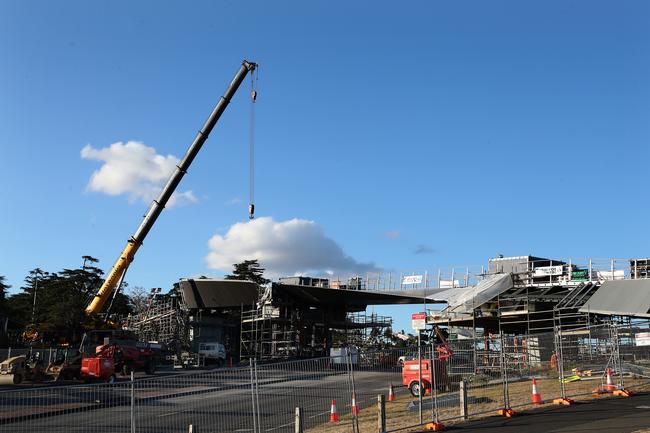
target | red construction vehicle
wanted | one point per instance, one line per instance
(98, 368)
(410, 376)
(410, 368)
(121, 347)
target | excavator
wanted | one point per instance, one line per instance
(102, 363)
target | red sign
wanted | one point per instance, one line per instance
(419, 321)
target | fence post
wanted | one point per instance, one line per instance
(257, 397)
(299, 421)
(621, 383)
(250, 363)
(381, 413)
(463, 399)
(132, 403)
(560, 360)
(420, 387)
(355, 418)
(504, 372)
(434, 384)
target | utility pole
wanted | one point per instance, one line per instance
(37, 273)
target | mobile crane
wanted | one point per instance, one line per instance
(111, 357)
(116, 275)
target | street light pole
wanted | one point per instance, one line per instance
(34, 304)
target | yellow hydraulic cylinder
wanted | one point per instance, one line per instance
(113, 278)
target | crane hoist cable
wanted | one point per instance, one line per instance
(251, 147)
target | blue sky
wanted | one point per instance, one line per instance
(461, 129)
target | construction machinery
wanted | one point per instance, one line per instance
(127, 357)
(122, 347)
(17, 369)
(116, 275)
(437, 359)
(65, 363)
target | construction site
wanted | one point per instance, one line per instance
(305, 317)
(479, 336)
(264, 287)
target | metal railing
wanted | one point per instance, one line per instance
(571, 271)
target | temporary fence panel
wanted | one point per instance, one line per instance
(215, 401)
(309, 384)
(496, 372)
(78, 408)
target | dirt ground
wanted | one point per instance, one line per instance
(485, 400)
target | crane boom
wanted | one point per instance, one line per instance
(126, 257)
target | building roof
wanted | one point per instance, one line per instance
(212, 293)
(620, 297)
(217, 293)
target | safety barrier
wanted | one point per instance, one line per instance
(493, 374)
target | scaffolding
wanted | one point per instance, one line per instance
(284, 331)
(268, 332)
(362, 330)
(164, 321)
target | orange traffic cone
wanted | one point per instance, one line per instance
(537, 397)
(391, 395)
(355, 408)
(334, 416)
(610, 383)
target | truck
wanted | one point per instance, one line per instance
(213, 352)
(122, 347)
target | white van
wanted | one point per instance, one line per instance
(213, 352)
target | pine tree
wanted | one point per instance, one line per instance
(249, 270)
(3, 292)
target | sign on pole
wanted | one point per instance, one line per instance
(412, 279)
(419, 321)
(642, 339)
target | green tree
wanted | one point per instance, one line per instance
(60, 301)
(3, 292)
(249, 270)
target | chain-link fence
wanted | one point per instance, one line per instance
(444, 383)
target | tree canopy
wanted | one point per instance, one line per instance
(249, 270)
(53, 303)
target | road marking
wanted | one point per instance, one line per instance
(275, 428)
(174, 413)
(643, 407)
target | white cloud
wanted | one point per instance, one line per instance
(133, 169)
(292, 247)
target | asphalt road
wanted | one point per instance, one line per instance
(615, 415)
(211, 404)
